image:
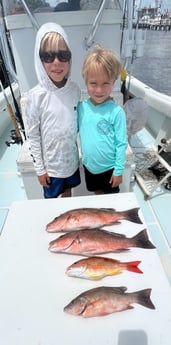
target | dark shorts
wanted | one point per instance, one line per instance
(59, 185)
(96, 182)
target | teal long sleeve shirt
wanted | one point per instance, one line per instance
(103, 136)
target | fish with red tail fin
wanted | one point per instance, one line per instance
(106, 300)
(97, 241)
(98, 267)
(91, 218)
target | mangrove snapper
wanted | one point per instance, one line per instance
(105, 300)
(97, 241)
(96, 268)
(91, 218)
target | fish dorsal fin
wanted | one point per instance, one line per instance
(107, 209)
(117, 235)
(120, 289)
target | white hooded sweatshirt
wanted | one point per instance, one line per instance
(51, 116)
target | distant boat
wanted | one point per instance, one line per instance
(152, 18)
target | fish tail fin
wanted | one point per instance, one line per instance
(132, 215)
(143, 298)
(133, 266)
(142, 240)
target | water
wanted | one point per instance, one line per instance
(154, 68)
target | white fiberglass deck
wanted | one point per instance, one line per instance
(156, 211)
(34, 288)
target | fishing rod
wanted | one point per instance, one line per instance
(6, 67)
(15, 134)
(17, 109)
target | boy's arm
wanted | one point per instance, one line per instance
(34, 136)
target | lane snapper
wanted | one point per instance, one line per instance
(91, 218)
(96, 268)
(105, 300)
(97, 241)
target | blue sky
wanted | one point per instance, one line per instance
(166, 4)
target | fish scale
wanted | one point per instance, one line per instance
(96, 268)
(105, 300)
(98, 241)
(91, 218)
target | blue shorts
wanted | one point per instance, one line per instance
(58, 185)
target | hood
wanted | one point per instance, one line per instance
(42, 76)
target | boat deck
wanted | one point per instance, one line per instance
(155, 210)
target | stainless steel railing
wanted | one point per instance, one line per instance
(88, 41)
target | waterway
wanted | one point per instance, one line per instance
(154, 68)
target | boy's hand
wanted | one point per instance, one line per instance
(44, 180)
(115, 180)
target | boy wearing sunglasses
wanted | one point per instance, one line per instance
(51, 114)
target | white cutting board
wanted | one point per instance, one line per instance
(34, 287)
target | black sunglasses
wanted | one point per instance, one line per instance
(62, 55)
